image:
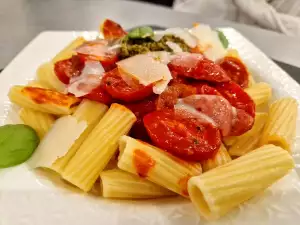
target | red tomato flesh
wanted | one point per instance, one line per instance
(112, 30)
(99, 95)
(197, 67)
(236, 70)
(242, 122)
(188, 139)
(119, 89)
(65, 69)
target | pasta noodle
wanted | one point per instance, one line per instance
(47, 76)
(249, 140)
(68, 51)
(219, 190)
(120, 184)
(99, 147)
(35, 83)
(261, 93)
(40, 122)
(280, 128)
(228, 141)
(91, 112)
(220, 158)
(43, 100)
(156, 165)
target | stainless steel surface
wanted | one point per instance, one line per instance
(22, 20)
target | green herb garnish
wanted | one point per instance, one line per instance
(17, 143)
(141, 32)
(223, 39)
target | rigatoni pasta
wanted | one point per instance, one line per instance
(39, 121)
(90, 112)
(156, 165)
(220, 158)
(280, 128)
(47, 76)
(249, 140)
(261, 93)
(43, 100)
(39, 84)
(120, 184)
(219, 190)
(100, 145)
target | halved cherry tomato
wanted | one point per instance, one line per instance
(205, 89)
(99, 95)
(169, 97)
(112, 30)
(188, 139)
(65, 69)
(197, 67)
(119, 89)
(108, 62)
(236, 70)
(242, 122)
(236, 96)
(140, 109)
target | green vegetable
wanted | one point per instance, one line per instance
(141, 32)
(17, 143)
(223, 39)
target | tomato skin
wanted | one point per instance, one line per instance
(140, 109)
(65, 69)
(242, 123)
(99, 95)
(236, 70)
(108, 62)
(185, 138)
(112, 30)
(119, 89)
(205, 89)
(236, 96)
(169, 97)
(200, 69)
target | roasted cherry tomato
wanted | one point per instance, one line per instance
(169, 97)
(236, 96)
(188, 139)
(236, 70)
(112, 30)
(205, 89)
(242, 122)
(108, 62)
(197, 67)
(65, 69)
(99, 95)
(119, 89)
(140, 109)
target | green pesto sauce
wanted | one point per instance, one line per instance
(131, 47)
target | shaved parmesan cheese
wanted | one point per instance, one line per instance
(57, 141)
(181, 33)
(161, 86)
(190, 112)
(89, 79)
(208, 42)
(175, 47)
(144, 68)
(161, 56)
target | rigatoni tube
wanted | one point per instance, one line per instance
(43, 100)
(260, 93)
(120, 184)
(90, 112)
(99, 147)
(156, 165)
(220, 158)
(218, 191)
(280, 128)
(249, 140)
(39, 121)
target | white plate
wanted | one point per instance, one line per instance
(28, 198)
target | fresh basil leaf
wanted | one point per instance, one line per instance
(17, 143)
(223, 39)
(141, 32)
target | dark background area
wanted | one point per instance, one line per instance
(160, 2)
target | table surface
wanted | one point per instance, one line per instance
(22, 20)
